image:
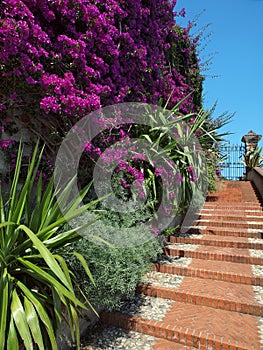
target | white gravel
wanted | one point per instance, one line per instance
(147, 307)
(255, 240)
(180, 246)
(256, 253)
(191, 235)
(112, 338)
(258, 292)
(175, 260)
(163, 279)
(257, 270)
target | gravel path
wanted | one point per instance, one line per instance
(175, 260)
(257, 270)
(163, 279)
(180, 246)
(112, 338)
(258, 294)
(255, 240)
(147, 307)
(256, 253)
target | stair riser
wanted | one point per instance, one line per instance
(207, 274)
(214, 256)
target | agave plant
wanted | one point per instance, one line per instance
(253, 158)
(36, 286)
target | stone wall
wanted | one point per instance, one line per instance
(256, 176)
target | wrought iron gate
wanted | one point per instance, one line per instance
(231, 167)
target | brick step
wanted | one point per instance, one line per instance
(220, 271)
(233, 211)
(231, 205)
(230, 224)
(218, 241)
(193, 326)
(228, 232)
(208, 298)
(232, 199)
(215, 216)
(230, 255)
(163, 344)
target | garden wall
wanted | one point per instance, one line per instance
(256, 176)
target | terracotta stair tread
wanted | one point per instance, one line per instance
(230, 224)
(216, 270)
(216, 253)
(212, 293)
(218, 241)
(232, 216)
(195, 326)
(227, 231)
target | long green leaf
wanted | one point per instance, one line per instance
(42, 275)
(4, 298)
(46, 255)
(42, 312)
(33, 322)
(85, 266)
(12, 339)
(20, 320)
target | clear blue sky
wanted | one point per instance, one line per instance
(237, 38)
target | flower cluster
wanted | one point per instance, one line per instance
(81, 55)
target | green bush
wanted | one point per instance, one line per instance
(115, 270)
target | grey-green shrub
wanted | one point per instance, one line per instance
(116, 271)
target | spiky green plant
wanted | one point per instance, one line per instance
(36, 287)
(253, 158)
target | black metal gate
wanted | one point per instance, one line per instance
(231, 167)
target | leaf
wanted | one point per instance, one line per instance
(33, 322)
(85, 266)
(46, 255)
(42, 275)
(42, 312)
(12, 340)
(4, 295)
(20, 320)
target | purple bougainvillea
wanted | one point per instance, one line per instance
(77, 56)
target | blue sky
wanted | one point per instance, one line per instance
(236, 28)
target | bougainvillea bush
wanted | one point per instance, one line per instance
(59, 60)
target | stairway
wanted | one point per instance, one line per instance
(211, 283)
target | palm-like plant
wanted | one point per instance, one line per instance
(253, 158)
(36, 287)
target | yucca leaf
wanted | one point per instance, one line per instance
(20, 320)
(85, 266)
(13, 189)
(74, 325)
(46, 255)
(12, 339)
(33, 323)
(4, 300)
(57, 301)
(42, 275)
(41, 312)
(2, 218)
